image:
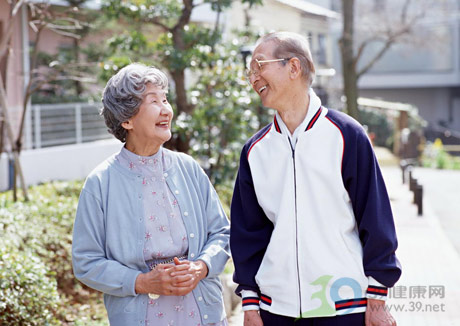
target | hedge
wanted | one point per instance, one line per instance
(37, 285)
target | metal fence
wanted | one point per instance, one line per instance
(62, 124)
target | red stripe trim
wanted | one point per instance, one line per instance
(264, 298)
(249, 151)
(343, 138)
(313, 120)
(277, 127)
(251, 301)
(351, 303)
(384, 291)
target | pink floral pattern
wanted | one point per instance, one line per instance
(165, 236)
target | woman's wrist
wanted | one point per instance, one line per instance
(139, 284)
(203, 269)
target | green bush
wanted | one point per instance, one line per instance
(36, 239)
(435, 156)
(28, 293)
(377, 122)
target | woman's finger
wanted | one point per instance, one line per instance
(180, 270)
(181, 279)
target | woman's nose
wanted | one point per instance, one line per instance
(166, 109)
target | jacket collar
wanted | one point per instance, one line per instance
(314, 111)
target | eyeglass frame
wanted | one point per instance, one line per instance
(250, 72)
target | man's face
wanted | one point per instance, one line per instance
(271, 78)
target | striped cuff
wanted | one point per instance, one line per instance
(250, 300)
(376, 290)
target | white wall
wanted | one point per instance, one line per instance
(60, 162)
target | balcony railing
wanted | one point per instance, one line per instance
(62, 124)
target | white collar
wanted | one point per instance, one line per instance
(314, 105)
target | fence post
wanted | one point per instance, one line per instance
(418, 198)
(38, 128)
(78, 131)
(28, 130)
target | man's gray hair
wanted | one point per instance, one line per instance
(123, 95)
(290, 45)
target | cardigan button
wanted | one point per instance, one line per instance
(205, 316)
(192, 255)
(192, 235)
(176, 192)
(185, 213)
(165, 175)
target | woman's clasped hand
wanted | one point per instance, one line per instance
(176, 279)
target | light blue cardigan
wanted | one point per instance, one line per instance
(108, 236)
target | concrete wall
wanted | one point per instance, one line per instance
(61, 162)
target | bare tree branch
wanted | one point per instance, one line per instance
(404, 11)
(391, 38)
(68, 34)
(157, 22)
(17, 7)
(9, 31)
(185, 16)
(363, 46)
(388, 43)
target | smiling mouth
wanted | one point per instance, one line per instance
(262, 89)
(163, 124)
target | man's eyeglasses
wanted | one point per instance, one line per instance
(256, 72)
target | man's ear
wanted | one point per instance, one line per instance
(128, 125)
(295, 68)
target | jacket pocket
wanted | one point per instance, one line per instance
(116, 305)
(211, 290)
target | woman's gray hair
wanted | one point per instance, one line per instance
(123, 95)
(290, 45)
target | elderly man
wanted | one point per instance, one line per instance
(312, 233)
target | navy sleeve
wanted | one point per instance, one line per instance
(250, 229)
(365, 185)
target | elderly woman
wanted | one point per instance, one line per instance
(150, 232)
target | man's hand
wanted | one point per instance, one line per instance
(252, 318)
(377, 314)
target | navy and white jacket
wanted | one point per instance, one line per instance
(312, 232)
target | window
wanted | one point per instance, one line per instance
(321, 53)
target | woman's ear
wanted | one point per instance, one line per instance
(128, 125)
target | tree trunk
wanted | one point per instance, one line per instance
(10, 136)
(350, 78)
(76, 53)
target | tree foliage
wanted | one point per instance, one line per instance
(182, 45)
(215, 108)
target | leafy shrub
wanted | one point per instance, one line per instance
(28, 293)
(435, 156)
(377, 122)
(36, 239)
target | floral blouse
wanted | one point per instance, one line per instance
(165, 237)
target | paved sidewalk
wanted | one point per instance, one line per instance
(428, 293)
(429, 260)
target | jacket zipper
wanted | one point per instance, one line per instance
(296, 228)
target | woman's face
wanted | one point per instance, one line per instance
(152, 124)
